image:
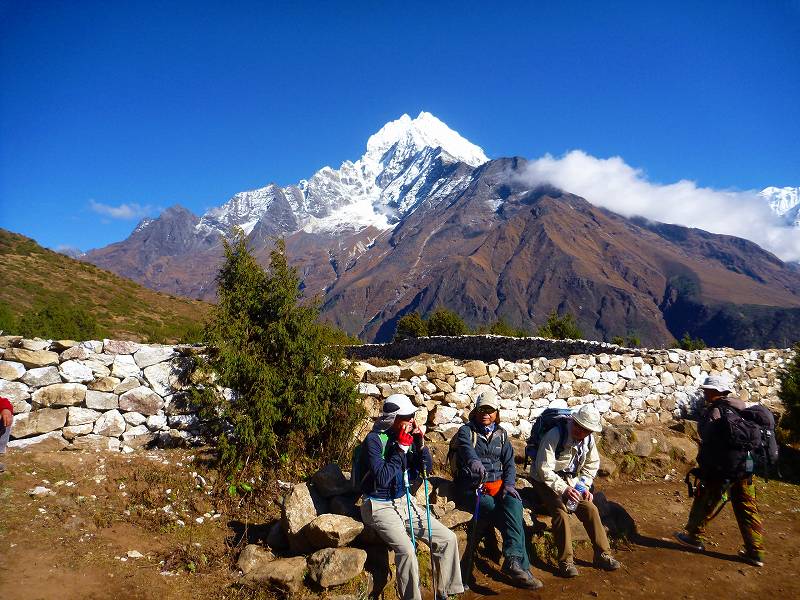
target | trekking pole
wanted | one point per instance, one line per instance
(473, 542)
(430, 531)
(410, 517)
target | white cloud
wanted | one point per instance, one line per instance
(123, 211)
(615, 185)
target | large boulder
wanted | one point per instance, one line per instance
(110, 424)
(332, 531)
(163, 378)
(299, 510)
(127, 384)
(60, 394)
(38, 421)
(95, 442)
(81, 416)
(330, 481)
(31, 359)
(15, 391)
(284, 574)
(41, 377)
(101, 400)
(11, 371)
(388, 374)
(104, 384)
(150, 355)
(253, 558)
(49, 442)
(124, 366)
(120, 347)
(336, 566)
(76, 353)
(76, 372)
(142, 400)
(70, 432)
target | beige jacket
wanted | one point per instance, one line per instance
(547, 464)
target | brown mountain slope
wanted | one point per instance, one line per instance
(33, 276)
(545, 250)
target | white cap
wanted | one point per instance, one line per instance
(717, 382)
(588, 417)
(398, 405)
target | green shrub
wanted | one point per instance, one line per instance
(561, 327)
(410, 326)
(689, 343)
(500, 327)
(789, 377)
(58, 319)
(632, 341)
(8, 323)
(445, 322)
(296, 408)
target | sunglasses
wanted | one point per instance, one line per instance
(485, 410)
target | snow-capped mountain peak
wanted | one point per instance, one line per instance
(402, 161)
(426, 131)
(781, 200)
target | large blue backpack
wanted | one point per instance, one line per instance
(551, 417)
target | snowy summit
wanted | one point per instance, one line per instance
(401, 165)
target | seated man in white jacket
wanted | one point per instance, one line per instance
(567, 457)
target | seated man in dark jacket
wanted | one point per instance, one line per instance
(395, 454)
(486, 460)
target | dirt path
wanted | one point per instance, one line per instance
(72, 544)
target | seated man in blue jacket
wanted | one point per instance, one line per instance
(395, 453)
(486, 461)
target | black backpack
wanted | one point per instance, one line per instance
(740, 443)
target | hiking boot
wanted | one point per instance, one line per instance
(567, 568)
(689, 541)
(606, 562)
(751, 558)
(520, 577)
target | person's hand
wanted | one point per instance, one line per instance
(418, 433)
(572, 494)
(477, 470)
(510, 490)
(7, 417)
(587, 495)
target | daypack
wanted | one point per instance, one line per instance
(551, 417)
(454, 463)
(359, 469)
(749, 433)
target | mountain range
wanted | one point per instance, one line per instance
(424, 219)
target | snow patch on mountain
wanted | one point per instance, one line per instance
(783, 201)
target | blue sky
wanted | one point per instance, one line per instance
(156, 103)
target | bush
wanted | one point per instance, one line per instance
(58, 319)
(500, 327)
(789, 394)
(445, 322)
(689, 343)
(295, 408)
(8, 323)
(410, 326)
(560, 328)
(632, 341)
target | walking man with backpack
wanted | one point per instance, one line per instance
(394, 455)
(565, 464)
(725, 469)
(486, 467)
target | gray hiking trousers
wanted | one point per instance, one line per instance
(390, 520)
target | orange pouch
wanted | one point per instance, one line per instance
(492, 487)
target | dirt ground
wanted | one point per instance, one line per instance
(84, 540)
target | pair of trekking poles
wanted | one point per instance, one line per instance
(428, 515)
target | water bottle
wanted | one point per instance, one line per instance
(581, 486)
(748, 463)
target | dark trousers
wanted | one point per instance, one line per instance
(505, 513)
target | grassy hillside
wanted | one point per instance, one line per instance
(48, 294)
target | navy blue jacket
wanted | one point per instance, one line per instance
(384, 479)
(497, 457)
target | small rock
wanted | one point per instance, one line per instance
(135, 554)
(40, 490)
(336, 566)
(253, 557)
(283, 574)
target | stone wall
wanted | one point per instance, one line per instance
(649, 388)
(486, 348)
(118, 395)
(109, 395)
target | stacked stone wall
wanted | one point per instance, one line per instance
(117, 395)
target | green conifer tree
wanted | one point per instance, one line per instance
(789, 394)
(295, 406)
(410, 326)
(443, 321)
(561, 327)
